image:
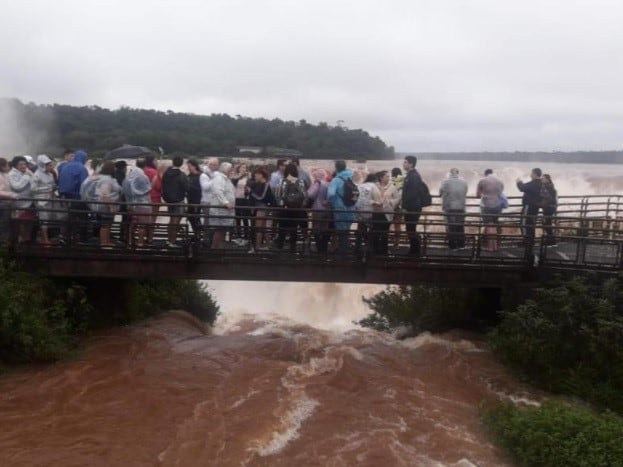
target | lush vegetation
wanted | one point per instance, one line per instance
(41, 319)
(38, 320)
(569, 339)
(98, 130)
(556, 434)
(422, 308)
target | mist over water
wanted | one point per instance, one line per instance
(324, 306)
(17, 136)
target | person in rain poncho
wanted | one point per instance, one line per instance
(137, 188)
(44, 184)
(20, 183)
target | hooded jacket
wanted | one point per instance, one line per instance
(136, 187)
(43, 182)
(343, 215)
(174, 185)
(71, 177)
(20, 184)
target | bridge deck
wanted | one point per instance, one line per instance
(583, 244)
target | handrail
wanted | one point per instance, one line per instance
(588, 229)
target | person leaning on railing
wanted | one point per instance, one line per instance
(490, 190)
(6, 198)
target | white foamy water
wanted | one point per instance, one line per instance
(321, 305)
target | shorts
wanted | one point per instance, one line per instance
(25, 214)
(104, 218)
(176, 209)
(490, 215)
(141, 214)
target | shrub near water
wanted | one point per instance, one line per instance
(558, 435)
(569, 339)
(423, 308)
(39, 320)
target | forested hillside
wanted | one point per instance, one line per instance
(98, 130)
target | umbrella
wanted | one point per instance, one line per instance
(127, 151)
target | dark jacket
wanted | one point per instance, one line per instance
(531, 192)
(193, 196)
(410, 192)
(71, 177)
(174, 185)
(261, 193)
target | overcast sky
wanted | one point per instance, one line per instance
(438, 75)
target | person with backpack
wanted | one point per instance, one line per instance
(415, 196)
(531, 201)
(137, 190)
(174, 189)
(293, 215)
(343, 195)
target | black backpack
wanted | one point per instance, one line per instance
(293, 195)
(424, 194)
(351, 192)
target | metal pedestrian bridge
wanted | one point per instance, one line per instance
(588, 237)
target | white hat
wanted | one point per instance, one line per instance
(43, 159)
(29, 159)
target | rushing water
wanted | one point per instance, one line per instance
(260, 393)
(284, 379)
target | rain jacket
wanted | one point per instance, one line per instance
(20, 184)
(343, 215)
(136, 187)
(5, 189)
(369, 200)
(43, 183)
(101, 188)
(72, 176)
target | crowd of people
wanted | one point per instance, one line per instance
(253, 208)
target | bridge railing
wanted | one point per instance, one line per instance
(587, 230)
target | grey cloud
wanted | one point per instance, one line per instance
(426, 75)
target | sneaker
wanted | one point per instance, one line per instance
(251, 250)
(173, 245)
